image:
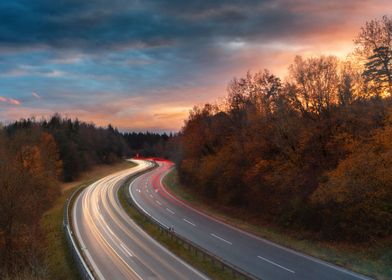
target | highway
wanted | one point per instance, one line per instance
(113, 245)
(260, 257)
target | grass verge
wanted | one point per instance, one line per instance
(373, 259)
(59, 260)
(196, 260)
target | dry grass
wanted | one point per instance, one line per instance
(373, 259)
(96, 173)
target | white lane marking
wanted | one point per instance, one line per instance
(185, 220)
(151, 196)
(321, 262)
(110, 231)
(222, 239)
(170, 211)
(126, 250)
(278, 265)
(158, 202)
(154, 241)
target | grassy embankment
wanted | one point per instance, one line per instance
(59, 260)
(374, 259)
(196, 260)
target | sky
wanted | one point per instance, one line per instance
(142, 65)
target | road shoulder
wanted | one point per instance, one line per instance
(371, 259)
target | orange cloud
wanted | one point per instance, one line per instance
(10, 101)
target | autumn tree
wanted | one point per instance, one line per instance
(361, 199)
(29, 170)
(81, 145)
(315, 84)
(283, 151)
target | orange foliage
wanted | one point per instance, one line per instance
(312, 153)
(29, 169)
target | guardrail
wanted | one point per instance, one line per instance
(85, 272)
(217, 261)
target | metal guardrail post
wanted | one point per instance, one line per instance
(83, 268)
(219, 262)
(85, 271)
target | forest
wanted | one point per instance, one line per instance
(35, 157)
(310, 152)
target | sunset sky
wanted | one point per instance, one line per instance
(142, 65)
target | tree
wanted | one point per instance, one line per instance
(286, 153)
(314, 84)
(350, 87)
(374, 45)
(29, 169)
(362, 199)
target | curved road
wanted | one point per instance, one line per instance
(260, 257)
(113, 244)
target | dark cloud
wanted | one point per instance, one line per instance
(102, 59)
(97, 24)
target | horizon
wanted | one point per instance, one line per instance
(143, 66)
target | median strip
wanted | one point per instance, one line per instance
(196, 256)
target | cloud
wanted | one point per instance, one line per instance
(10, 101)
(140, 63)
(36, 95)
(98, 25)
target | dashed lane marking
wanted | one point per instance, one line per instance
(274, 263)
(170, 211)
(189, 222)
(222, 239)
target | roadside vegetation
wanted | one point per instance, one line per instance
(372, 259)
(29, 168)
(308, 155)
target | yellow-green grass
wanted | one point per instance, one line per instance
(196, 260)
(373, 259)
(59, 261)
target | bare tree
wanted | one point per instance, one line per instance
(314, 83)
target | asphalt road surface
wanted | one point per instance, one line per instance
(114, 245)
(260, 257)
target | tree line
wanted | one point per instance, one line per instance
(35, 156)
(310, 152)
(82, 145)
